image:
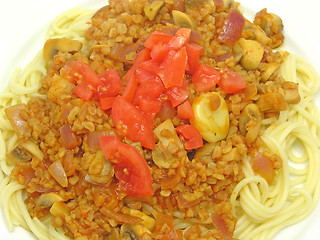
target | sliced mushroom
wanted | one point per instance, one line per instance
(182, 19)
(252, 53)
(250, 122)
(59, 209)
(291, 93)
(151, 9)
(270, 69)
(101, 170)
(48, 199)
(52, 46)
(24, 152)
(127, 233)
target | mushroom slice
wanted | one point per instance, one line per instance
(127, 233)
(48, 199)
(182, 19)
(52, 46)
(151, 9)
(250, 122)
(24, 152)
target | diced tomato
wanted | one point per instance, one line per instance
(176, 95)
(149, 66)
(205, 78)
(150, 107)
(106, 102)
(141, 56)
(131, 169)
(191, 136)
(156, 38)
(185, 111)
(173, 67)
(130, 122)
(152, 88)
(193, 51)
(110, 85)
(87, 74)
(232, 28)
(84, 91)
(180, 39)
(130, 89)
(159, 52)
(231, 82)
(142, 75)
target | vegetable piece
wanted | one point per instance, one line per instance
(106, 102)
(272, 102)
(23, 172)
(68, 138)
(172, 69)
(131, 169)
(58, 173)
(24, 152)
(59, 209)
(84, 91)
(176, 95)
(205, 78)
(250, 122)
(152, 9)
(232, 28)
(148, 89)
(263, 165)
(130, 88)
(48, 199)
(52, 46)
(150, 107)
(193, 51)
(180, 39)
(18, 124)
(182, 19)
(291, 92)
(167, 111)
(231, 82)
(157, 37)
(166, 221)
(130, 122)
(121, 52)
(192, 137)
(110, 85)
(211, 121)
(184, 110)
(252, 53)
(221, 226)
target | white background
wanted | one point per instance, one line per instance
(23, 24)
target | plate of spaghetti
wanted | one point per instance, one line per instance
(164, 119)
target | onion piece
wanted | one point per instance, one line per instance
(119, 51)
(92, 138)
(120, 217)
(183, 203)
(221, 226)
(68, 138)
(16, 121)
(57, 171)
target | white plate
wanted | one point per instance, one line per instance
(23, 25)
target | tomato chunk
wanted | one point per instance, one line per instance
(131, 169)
(205, 78)
(106, 102)
(176, 95)
(231, 82)
(184, 110)
(192, 137)
(193, 51)
(110, 85)
(130, 122)
(156, 38)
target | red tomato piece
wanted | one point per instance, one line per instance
(141, 56)
(232, 28)
(130, 88)
(152, 89)
(231, 82)
(142, 75)
(172, 69)
(106, 102)
(149, 66)
(180, 39)
(193, 51)
(130, 122)
(184, 110)
(150, 107)
(131, 169)
(157, 37)
(191, 136)
(176, 95)
(88, 75)
(205, 78)
(110, 85)
(159, 52)
(84, 91)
